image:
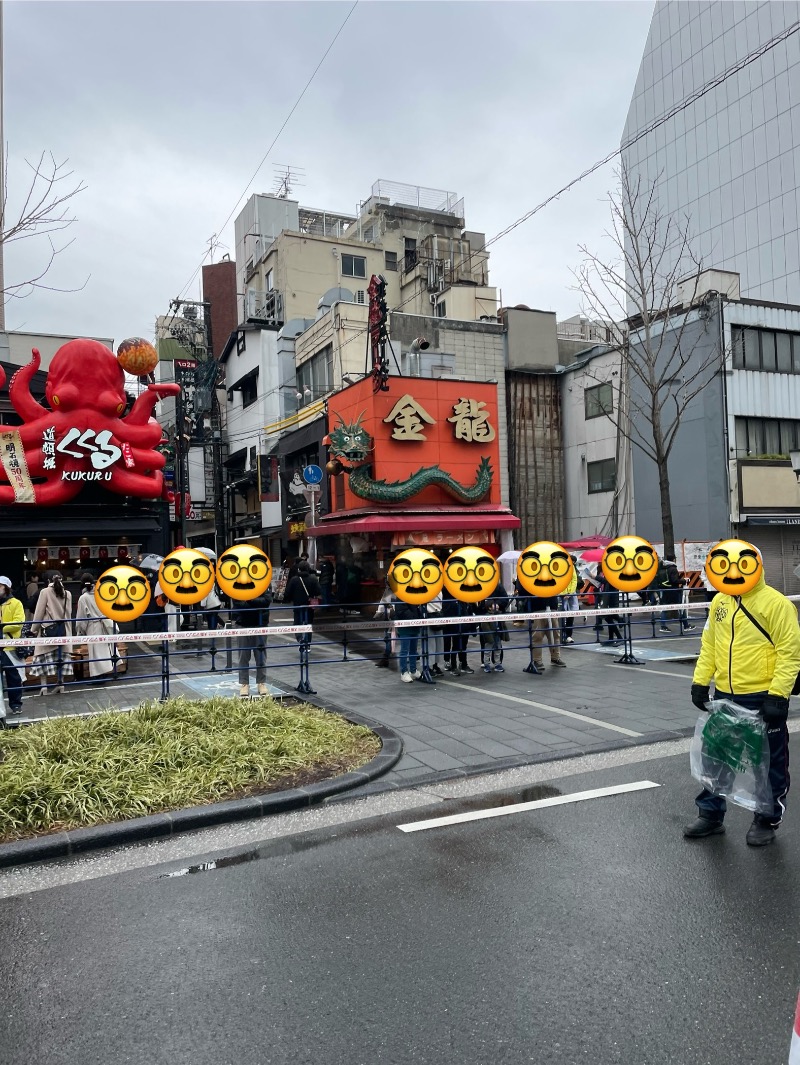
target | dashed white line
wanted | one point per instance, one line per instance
(536, 804)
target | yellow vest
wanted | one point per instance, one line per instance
(741, 659)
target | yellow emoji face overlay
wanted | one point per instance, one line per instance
(544, 569)
(470, 574)
(186, 577)
(244, 572)
(629, 563)
(734, 567)
(416, 576)
(122, 593)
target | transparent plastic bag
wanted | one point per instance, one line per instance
(729, 755)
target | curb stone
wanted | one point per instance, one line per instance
(498, 765)
(164, 825)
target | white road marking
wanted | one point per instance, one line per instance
(564, 713)
(536, 804)
(660, 672)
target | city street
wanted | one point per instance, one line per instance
(584, 932)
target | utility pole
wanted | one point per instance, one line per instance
(220, 512)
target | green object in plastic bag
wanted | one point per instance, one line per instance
(733, 741)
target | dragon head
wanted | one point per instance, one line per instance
(351, 441)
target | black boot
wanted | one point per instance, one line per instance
(703, 826)
(759, 834)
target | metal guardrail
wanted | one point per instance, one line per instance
(221, 643)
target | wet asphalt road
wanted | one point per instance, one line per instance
(582, 933)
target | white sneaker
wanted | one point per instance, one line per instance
(569, 640)
(418, 674)
(244, 689)
(406, 678)
(263, 689)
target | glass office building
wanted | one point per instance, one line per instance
(731, 160)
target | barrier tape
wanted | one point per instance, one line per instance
(433, 621)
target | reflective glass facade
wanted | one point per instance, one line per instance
(729, 160)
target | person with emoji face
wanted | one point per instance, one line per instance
(91, 621)
(751, 650)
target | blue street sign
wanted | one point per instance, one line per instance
(312, 475)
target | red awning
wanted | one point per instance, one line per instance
(375, 523)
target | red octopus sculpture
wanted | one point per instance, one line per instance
(82, 436)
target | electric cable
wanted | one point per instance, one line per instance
(751, 57)
(274, 141)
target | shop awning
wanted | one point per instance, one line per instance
(450, 522)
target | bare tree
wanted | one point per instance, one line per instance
(648, 295)
(46, 209)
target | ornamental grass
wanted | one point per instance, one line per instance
(74, 772)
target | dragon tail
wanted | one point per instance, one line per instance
(363, 485)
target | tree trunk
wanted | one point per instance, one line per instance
(667, 527)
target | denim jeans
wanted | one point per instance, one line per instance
(714, 806)
(435, 645)
(407, 649)
(303, 615)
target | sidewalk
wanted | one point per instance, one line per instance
(457, 725)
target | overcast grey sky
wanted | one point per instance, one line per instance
(165, 109)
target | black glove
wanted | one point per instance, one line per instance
(775, 709)
(700, 696)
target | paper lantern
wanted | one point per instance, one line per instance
(63, 554)
(137, 356)
(42, 554)
(102, 553)
(122, 554)
(85, 554)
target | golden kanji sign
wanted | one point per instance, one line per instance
(408, 418)
(471, 422)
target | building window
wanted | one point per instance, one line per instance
(410, 253)
(390, 261)
(602, 475)
(766, 437)
(765, 349)
(249, 390)
(598, 400)
(315, 377)
(441, 309)
(268, 281)
(354, 266)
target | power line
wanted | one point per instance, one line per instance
(687, 102)
(274, 141)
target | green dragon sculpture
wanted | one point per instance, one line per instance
(353, 443)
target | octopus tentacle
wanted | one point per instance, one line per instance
(19, 390)
(145, 403)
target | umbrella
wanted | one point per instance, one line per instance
(151, 562)
(207, 552)
(509, 556)
(594, 554)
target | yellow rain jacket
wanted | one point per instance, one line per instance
(12, 614)
(573, 584)
(738, 656)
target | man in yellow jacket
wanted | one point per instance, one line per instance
(751, 649)
(12, 616)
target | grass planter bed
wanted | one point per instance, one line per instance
(64, 774)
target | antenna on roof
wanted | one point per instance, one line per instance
(286, 179)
